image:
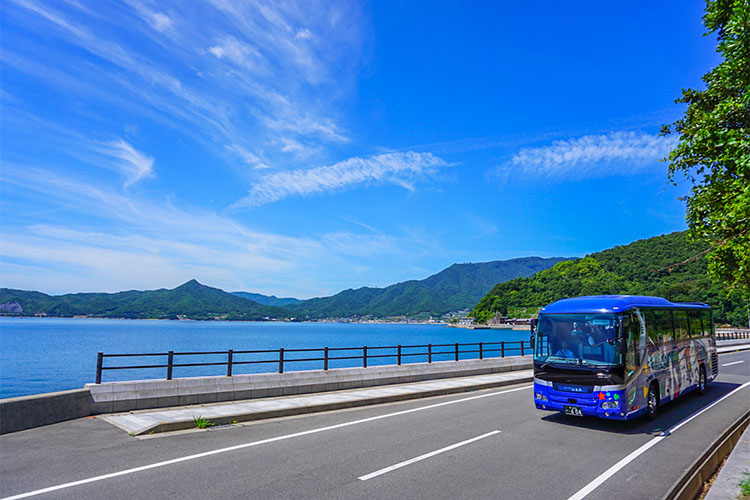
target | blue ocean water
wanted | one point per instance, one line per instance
(48, 354)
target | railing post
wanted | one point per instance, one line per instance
(456, 351)
(281, 360)
(399, 354)
(99, 360)
(481, 353)
(229, 363)
(170, 362)
(325, 358)
(364, 357)
(502, 348)
(522, 348)
(429, 353)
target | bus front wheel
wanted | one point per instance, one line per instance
(652, 402)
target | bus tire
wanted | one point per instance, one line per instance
(652, 401)
(701, 380)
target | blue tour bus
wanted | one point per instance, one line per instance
(620, 356)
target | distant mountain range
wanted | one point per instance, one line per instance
(516, 286)
(188, 301)
(456, 288)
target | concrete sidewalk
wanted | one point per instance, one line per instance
(150, 421)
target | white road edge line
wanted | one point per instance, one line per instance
(254, 443)
(426, 455)
(582, 493)
(734, 363)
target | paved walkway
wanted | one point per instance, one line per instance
(169, 419)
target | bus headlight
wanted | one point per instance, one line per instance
(609, 405)
(540, 396)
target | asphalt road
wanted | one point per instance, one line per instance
(484, 444)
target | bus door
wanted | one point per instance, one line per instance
(634, 334)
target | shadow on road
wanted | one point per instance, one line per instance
(669, 414)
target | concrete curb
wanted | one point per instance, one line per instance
(738, 348)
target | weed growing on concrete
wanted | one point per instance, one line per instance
(745, 485)
(201, 422)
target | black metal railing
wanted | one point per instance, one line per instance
(732, 335)
(280, 357)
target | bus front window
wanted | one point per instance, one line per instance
(586, 339)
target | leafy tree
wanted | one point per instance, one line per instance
(714, 148)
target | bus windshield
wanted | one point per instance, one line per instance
(583, 339)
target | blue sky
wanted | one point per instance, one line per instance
(299, 149)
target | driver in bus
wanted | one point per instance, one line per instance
(564, 351)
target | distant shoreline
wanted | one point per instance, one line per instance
(364, 322)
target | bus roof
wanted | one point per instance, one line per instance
(614, 304)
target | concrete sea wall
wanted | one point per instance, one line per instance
(26, 412)
(43, 409)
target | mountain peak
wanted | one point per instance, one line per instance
(193, 283)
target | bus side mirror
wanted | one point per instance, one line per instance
(531, 341)
(532, 323)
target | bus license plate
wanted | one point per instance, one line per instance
(573, 410)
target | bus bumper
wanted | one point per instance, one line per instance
(583, 401)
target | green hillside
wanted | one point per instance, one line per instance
(190, 301)
(640, 268)
(455, 288)
(267, 300)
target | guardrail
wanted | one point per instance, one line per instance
(279, 356)
(732, 335)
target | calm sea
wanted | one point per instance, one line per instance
(43, 355)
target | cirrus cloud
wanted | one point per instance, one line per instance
(403, 169)
(591, 156)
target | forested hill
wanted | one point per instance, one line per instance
(267, 300)
(455, 288)
(191, 300)
(644, 267)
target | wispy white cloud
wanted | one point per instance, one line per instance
(159, 21)
(238, 52)
(590, 156)
(242, 78)
(133, 164)
(403, 169)
(248, 157)
(303, 34)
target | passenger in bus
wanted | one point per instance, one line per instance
(565, 351)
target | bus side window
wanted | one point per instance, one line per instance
(664, 325)
(652, 328)
(707, 325)
(695, 324)
(680, 325)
